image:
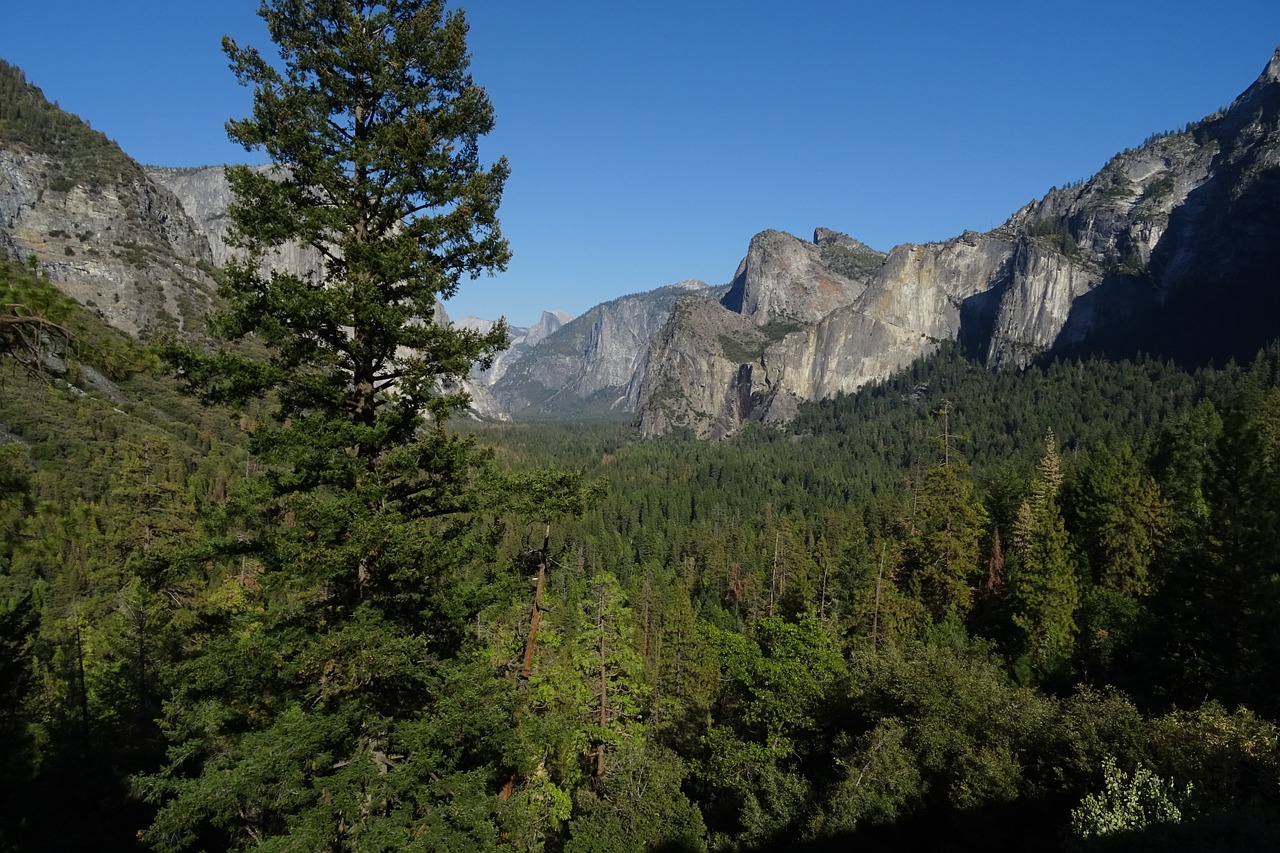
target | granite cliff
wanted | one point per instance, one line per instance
(205, 195)
(520, 340)
(783, 278)
(1172, 248)
(595, 362)
(74, 206)
(139, 245)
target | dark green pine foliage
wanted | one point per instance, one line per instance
(1138, 557)
(1119, 519)
(1221, 586)
(34, 317)
(1238, 564)
(18, 623)
(334, 698)
(606, 661)
(1045, 590)
(638, 807)
(941, 561)
(1123, 519)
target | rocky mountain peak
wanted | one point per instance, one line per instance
(826, 238)
(1175, 240)
(595, 362)
(547, 324)
(784, 278)
(1171, 248)
(474, 324)
(1271, 74)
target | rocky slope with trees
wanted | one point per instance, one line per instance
(592, 364)
(1171, 248)
(1137, 258)
(74, 206)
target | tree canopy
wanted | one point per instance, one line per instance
(327, 678)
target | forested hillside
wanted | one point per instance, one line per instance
(959, 605)
(957, 594)
(106, 466)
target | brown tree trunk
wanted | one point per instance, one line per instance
(531, 641)
(604, 686)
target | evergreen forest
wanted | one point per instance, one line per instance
(960, 607)
(279, 593)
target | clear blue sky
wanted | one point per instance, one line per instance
(649, 141)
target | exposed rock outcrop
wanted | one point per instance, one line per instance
(125, 249)
(597, 361)
(786, 279)
(205, 196)
(521, 340)
(704, 371)
(913, 299)
(1172, 248)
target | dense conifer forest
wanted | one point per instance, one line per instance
(280, 594)
(963, 608)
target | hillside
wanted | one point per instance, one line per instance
(93, 221)
(593, 364)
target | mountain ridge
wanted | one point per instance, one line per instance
(1188, 216)
(1138, 257)
(78, 209)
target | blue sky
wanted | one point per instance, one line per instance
(649, 141)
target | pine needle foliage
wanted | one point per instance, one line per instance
(334, 699)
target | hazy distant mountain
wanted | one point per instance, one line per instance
(595, 362)
(522, 339)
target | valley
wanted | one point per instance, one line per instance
(963, 545)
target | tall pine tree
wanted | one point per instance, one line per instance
(334, 699)
(940, 557)
(1045, 591)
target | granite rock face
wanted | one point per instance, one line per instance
(702, 375)
(912, 299)
(1171, 248)
(125, 249)
(595, 362)
(786, 279)
(520, 341)
(205, 195)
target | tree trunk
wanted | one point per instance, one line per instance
(531, 641)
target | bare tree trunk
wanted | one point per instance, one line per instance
(875, 614)
(84, 692)
(822, 599)
(604, 687)
(531, 641)
(773, 579)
